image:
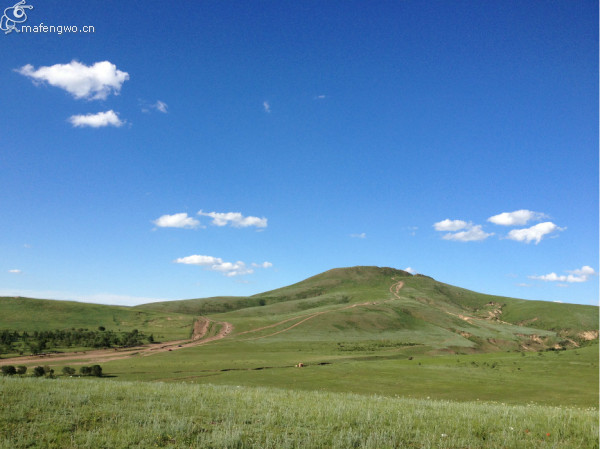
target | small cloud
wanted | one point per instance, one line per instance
(94, 82)
(320, 97)
(516, 218)
(262, 265)
(99, 120)
(523, 284)
(362, 235)
(161, 106)
(15, 271)
(267, 106)
(580, 275)
(450, 225)
(229, 269)
(235, 219)
(471, 234)
(535, 233)
(180, 220)
(410, 270)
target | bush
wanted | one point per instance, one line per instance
(85, 370)
(96, 371)
(9, 370)
(39, 371)
(21, 369)
(68, 371)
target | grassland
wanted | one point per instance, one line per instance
(433, 358)
(84, 413)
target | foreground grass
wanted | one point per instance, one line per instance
(86, 413)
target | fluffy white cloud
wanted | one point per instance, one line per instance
(266, 106)
(471, 234)
(235, 219)
(94, 82)
(99, 120)
(15, 271)
(180, 220)
(199, 260)
(516, 218)
(410, 270)
(580, 275)
(450, 225)
(228, 269)
(362, 235)
(535, 233)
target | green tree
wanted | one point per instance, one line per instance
(85, 370)
(21, 369)
(39, 371)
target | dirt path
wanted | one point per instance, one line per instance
(201, 326)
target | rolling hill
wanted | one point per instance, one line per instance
(372, 303)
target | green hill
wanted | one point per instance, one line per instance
(378, 307)
(362, 303)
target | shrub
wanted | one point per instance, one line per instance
(39, 371)
(96, 371)
(9, 370)
(68, 371)
(21, 369)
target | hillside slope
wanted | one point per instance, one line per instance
(385, 306)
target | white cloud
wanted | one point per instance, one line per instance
(229, 269)
(362, 235)
(267, 106)
(262, 265)
(15, 271)
(235, 219)
(199, 260)
(180, 220)
(579, 275)
(450, 225)
(516, 218)
(101, 119)
(535, 233)
(94, 82)
(472, 234)
(161, 106)
(410, 270)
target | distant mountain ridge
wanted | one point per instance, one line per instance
(380, 305)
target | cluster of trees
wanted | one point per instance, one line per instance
(41, 371)
(39, 341)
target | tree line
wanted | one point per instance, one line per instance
(38, 342)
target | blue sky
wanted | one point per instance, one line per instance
(195, 149)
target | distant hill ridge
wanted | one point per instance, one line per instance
(362, 303)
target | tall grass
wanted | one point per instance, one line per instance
(85, 413)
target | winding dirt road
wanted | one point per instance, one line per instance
(201, 327)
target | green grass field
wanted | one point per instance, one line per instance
(85, 413)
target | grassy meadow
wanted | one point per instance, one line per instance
(86, 413)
